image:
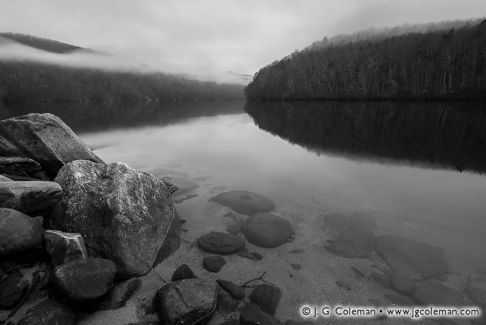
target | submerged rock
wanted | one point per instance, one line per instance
(20, 166)
(410, 257)
(186, 301)
(124, 215)
(267, 297)
(220, 243)
(119, 294)
(18, 232)
(49, 312)
(356, 235)
(12, 290)
(244, 202)
(183, 272)
(213, 263)
(33, 198)
(44, 138)
(251, 314)
(432, 292)
(84, 280)
(64, 247)
(226, 303)
(267, 230)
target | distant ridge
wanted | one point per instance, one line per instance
(43, 44)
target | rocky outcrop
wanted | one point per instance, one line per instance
(64, 247)
(244, 202)
(49, 312)
(44, 138)
(267, 230)
(186, 301)
(124, 215)
(20, 166)
(18, 232)
(32, 198)
(220, 243)
(84, 280)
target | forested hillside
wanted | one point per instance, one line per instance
(435, 63)
(37, 82)
(41, 43)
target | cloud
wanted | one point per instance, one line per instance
(209, 38)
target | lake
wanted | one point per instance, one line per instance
(418, 168)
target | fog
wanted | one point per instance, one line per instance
(210, 39)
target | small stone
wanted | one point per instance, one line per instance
(186, 301)
(84, 280)
(251, 314)
(244, 202)
(296, 266)
(226, 303)
(18, 232)
(64, 247)
(183, 272)
(49, 312)
(213, 263)
(234, 290)
(220, 243)
(267, 297)
(245, 253)
(12, 290)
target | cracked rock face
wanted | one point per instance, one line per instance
(187, 301)
(124, 215)
(44, 138)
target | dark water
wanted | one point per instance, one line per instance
(419, 167)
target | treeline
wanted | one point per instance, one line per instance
(437, 134)
(433, 64)
(22, 81)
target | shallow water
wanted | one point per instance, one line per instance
(418, 168)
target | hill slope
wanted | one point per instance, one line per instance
(419, 64)
(43, 44)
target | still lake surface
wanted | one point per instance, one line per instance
(419, 167)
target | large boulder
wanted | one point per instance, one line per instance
(244, 202)
(84, 280)
(124, 215)
(20, 166)
(49, 312)
(267, 230)
(187, 301)
(32, 198)
(64, 247)
(220, 243)
(44, 138)
(18, 232)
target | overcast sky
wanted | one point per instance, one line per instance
(211, 37)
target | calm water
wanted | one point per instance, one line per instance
(420, 167)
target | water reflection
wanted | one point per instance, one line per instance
(84, 118)
(447, 135)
